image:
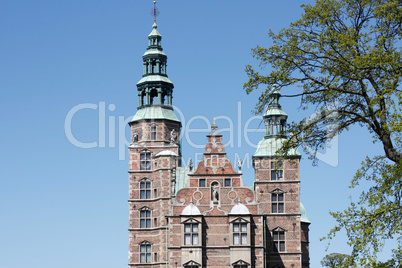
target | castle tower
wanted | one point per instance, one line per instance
(277, 188)
(154, 155)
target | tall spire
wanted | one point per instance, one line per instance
(155, 88)
(155, 11)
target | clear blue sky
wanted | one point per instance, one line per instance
(66, 207)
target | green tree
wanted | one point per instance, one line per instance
(346, 52)
(337, 260)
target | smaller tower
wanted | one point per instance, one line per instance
(277, 187)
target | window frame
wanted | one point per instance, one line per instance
(227, 182)
(277, 201)
(192, 233)
(145, 252)
(145, 189)
(276, 170)
(202, 182)
(278, 240)
(145, 160)
(240, 236)
(194, 242)
(153, 132)
(145, 216)
(240, 233)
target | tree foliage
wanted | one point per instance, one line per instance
(337, 260)
(346, 54)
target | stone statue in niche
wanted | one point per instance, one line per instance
(191, 164)
(215, 194)
(135, 136)
(173, 136)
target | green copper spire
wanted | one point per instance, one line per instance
(155, 89)
(275, 127)
(275, 118)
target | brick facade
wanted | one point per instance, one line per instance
(204, 216)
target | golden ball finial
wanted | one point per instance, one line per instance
(154, 2)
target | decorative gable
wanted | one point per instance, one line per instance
(240, 262)
(191, 263)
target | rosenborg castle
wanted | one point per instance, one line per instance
(203, 215)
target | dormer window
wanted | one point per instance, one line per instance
(239, 231)
(191, 234)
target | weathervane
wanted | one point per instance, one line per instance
(155, 12)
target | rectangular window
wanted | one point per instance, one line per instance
(145, 219)
(145, 190)
(240, 233)
(145, 253)
(153, 133)
(228, 182)
(276, 171)
(277, 203)
(191, 234)
(145, 161)
(201, 183)
(278, 241)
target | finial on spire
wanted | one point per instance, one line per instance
(155, 12)
(214, 126)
